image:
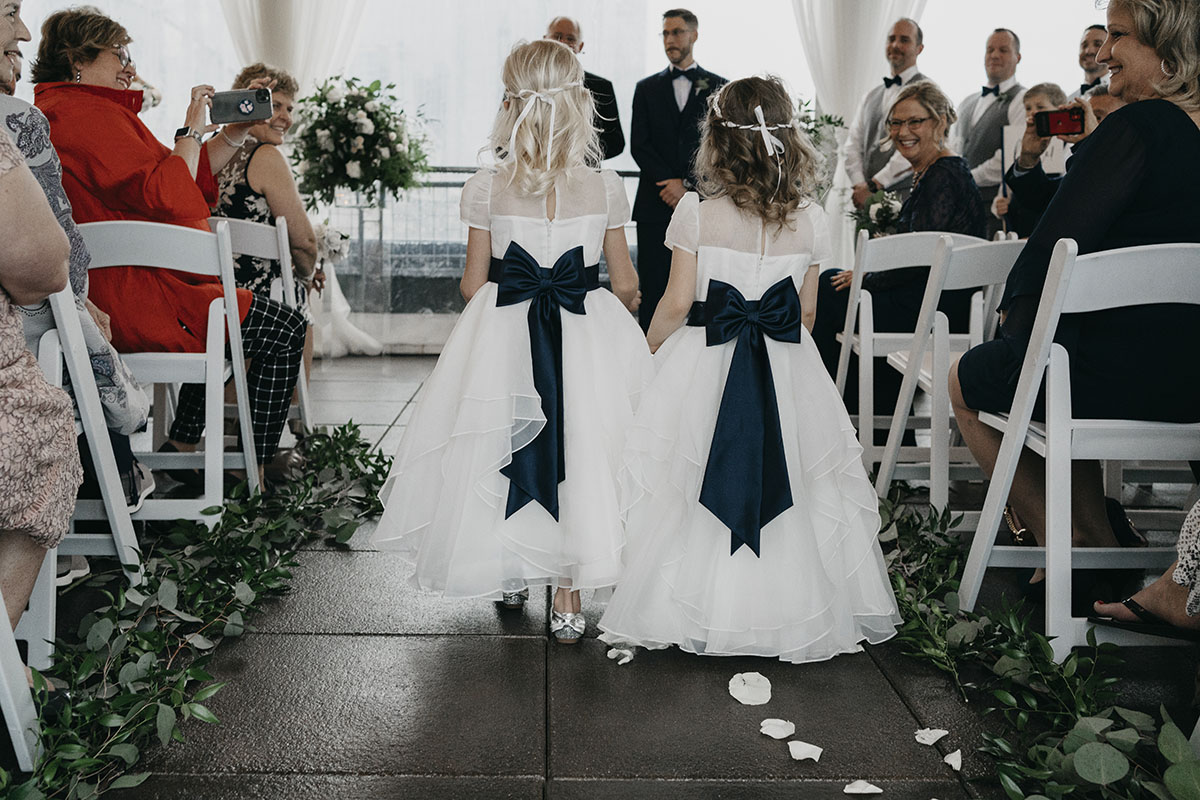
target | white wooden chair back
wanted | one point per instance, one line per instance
(16, 700)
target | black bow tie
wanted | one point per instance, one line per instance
(991, 90)
(890, 82)
(690, 73)
(1083, 87)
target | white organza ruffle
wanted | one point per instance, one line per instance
(445, 499)
(820, 587)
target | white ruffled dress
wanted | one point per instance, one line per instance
(445, 500)
(820, 587)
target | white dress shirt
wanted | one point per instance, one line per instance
(989, 173)
(856, 144)
(683, 87)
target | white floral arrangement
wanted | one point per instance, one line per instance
(879, 215)
(351, 136)
(333, 246)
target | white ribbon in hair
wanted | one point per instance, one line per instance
(533, 96)
(770, 141)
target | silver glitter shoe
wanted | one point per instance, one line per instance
(567, 627)
(514, 600)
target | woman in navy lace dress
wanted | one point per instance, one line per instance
(944, 198)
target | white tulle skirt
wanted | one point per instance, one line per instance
(820, 587)
(445, 499)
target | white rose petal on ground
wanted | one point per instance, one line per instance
(750, 688)
(954, 760)
(777, 728)
(622, 655)
(802, 750)
(861, 787)
(930, 736)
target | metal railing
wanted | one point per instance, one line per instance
(407, 255)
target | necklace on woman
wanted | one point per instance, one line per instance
(920, 173)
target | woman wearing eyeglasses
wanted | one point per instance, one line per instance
(944, 198)
(115, 169)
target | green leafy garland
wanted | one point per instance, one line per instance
(1064, 737)
(136, 667)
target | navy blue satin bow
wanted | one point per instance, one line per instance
(990, 90)
(746, 479)
(537, 468)
(890, 82)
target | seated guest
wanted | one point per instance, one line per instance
(114, 168)
(122, 399)
(39, 465)
(1131, 182)
(944, 198)
(1008, 205)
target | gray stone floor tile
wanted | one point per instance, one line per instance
(378, 705)
(380, 600)
(376, 412)
(391, 440)
(324, 787)
(363, 391)
(392, 370)
(668, 714)
(576, 789)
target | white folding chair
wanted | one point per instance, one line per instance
(16, 700)
(926, 365)
(1165, 273)
(157, 245)
(859, 335)
(266, 241)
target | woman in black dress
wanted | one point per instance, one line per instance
(944, 198)
(1132, 182)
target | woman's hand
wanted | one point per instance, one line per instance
(841, 281)
(102, 320)
(197, 110)
(317, 282)
(1089, 121)
(236, 131)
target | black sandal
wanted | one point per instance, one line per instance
(1148, 623)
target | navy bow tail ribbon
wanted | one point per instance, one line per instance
(746, 481)
(537, 468)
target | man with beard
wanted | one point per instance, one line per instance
(663, 137)
(612, 140)
(869, 166)
(1093, 70)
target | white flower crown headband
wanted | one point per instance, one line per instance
(770, 141)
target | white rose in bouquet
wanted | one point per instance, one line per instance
(391, 136)
(302, 168)
(874, 212)
(325, 140)
(335, 95)
(366, 126)
(384, 153)
(353, 170)
(360, 114)
(356, 144)
(371, 106)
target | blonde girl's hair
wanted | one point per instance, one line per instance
(1172, 28)
(933, 100)
(735, 162)
(543, 72)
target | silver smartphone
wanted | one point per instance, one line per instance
(240, 105)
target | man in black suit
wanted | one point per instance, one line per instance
(612, 140)
(663, 137)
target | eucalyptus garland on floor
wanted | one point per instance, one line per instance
(136, 666)
(1064, 736)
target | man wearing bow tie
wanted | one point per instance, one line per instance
(983, 115)
(869, 167)
(1093, 70)
(612, 140)
(663, 136)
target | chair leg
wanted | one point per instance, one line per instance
(939, 417)
(214, 439)
(16, 701)
(1059, 623)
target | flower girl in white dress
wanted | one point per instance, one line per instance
(507, 474)
(752, 526)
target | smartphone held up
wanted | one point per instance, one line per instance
(1063, 122)
(240, 105)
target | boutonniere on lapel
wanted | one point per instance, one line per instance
(1006, 97)
(701, 85)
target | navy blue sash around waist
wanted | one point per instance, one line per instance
(746, 481)
(537, 468)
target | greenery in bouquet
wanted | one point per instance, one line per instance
(352, 136)
(822, 132)
(879, 216)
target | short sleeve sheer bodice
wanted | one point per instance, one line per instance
(730, 247)
(587, 203)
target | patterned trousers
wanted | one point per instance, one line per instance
(273, 342)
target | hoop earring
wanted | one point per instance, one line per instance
(1162, 65)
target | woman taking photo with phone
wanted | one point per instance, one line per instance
(1131, 182)
(114, 169)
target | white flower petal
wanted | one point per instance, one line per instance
(750, 688)
(622, 655)
(930, 735)
(954, 760)
(861, 787)
(802, 750)
(777, 728)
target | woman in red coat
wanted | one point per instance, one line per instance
(114, 169)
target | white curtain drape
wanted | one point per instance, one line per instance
(311, 39)
(843, 43)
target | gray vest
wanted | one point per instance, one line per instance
(875, 158)
(982, 139)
